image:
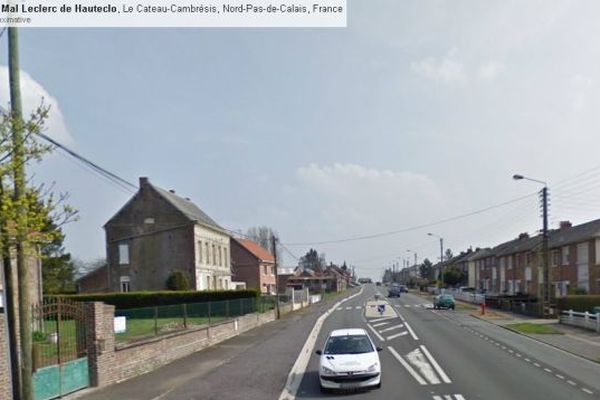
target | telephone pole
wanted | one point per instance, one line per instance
(18, 170)
(274, 245)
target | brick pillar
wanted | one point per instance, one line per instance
(100, 342)
(5, 376)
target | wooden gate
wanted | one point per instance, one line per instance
(60, 362)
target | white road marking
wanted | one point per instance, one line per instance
(527, 359)
(418, 359)
(407, 305)
(548, 370)
(407, 366)
(518, 355)
(559, 376)
(376, 334)
(380, 324)
(348, 308)
(391, 328)
(358, 307)
(571, 383)
(297, 372)
(381, 319)
(588, 391)
(536, 364)
(412, 333)
(340, 308)
(401, 317)
(459, 397)
(435, 364)
(397, 335)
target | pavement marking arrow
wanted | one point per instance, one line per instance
(418, 359)
(407, 366)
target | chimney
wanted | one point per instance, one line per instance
(143, 181)
(565, 224)
(172, 191)
(524, 236)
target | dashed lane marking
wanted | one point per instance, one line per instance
(412, 333)
(588, 391)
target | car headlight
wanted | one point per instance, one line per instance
(373, 367)
(327, 371)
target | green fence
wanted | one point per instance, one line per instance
(160, 320)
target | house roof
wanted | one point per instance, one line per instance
(256, 250)
(187, 207)
(92, 273)
(480, 253)
(578, 233)
(518, 245)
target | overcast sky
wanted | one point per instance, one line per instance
(418, 111)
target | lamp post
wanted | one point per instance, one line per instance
(411, 251)
(441, 255)
(547, 285)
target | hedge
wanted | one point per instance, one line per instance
(579, 303)
(123, 301)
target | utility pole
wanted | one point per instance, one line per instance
(274, 245)
(546, 264)
(18, 167)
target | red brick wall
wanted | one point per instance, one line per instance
(5, 380)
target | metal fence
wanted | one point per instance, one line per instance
(136, 323)
(581, 319)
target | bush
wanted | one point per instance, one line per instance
(178, 281)
(123, 301)
(579, 303)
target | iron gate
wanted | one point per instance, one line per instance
(60, 362)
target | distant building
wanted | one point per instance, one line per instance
(253, 264)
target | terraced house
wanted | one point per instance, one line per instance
(157, 233)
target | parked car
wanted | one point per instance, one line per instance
(443, 301)
(349, 360)
(403, 289)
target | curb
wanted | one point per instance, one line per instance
(537, 340)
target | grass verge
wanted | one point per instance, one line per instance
(527, 327)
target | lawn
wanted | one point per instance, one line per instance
(464, 306)
(146, 327)
(526, 327)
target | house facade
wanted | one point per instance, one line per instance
(254, 265)
(157, 233)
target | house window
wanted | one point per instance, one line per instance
(529, 258)
(214, 255)
(597, 251)
(125, 286)
(226, 284)
(565, 255)
(555, 257)
(199, 251)
(226, 256)
(123, 254)
(265, 270)
(510, 262)
(207, 253)
(207, 282)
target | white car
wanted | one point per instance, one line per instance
(349, 360)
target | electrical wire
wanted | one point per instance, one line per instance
(413, 228)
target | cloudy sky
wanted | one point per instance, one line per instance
(419, 111)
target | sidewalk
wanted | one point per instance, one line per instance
(581, 342)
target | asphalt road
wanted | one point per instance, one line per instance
(449, 355)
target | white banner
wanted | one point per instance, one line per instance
(173, 13)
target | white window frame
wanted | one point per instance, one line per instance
(123, 253)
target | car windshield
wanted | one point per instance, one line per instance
(349, 344)
(446, 297)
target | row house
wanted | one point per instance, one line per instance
(515, 267)
(254, 265)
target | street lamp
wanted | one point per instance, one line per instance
(546, 291)
(441, 254)
(411, 251)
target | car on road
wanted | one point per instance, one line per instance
(349, 360)
(394, 291)
(443, 301)
(403, 289)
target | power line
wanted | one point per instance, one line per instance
(395, 232)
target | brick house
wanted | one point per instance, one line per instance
(253, 264)
(94, 281)
(157, 233)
